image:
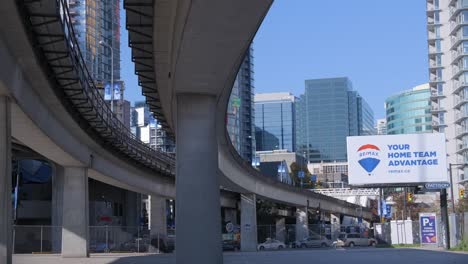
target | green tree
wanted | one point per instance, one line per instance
(295, 168)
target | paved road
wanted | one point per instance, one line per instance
(340, 256)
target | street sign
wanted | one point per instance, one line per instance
(301, 174)
(230, 227)
(313, 178)
(428, 228)
(436, 185)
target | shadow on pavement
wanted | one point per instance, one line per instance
(349, 256)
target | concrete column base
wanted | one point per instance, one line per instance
(248, 222)
(6, 231)
(57, 207)
(198, 214)
(158, 223)
(281, 229)
(302, 223)
(75, 231)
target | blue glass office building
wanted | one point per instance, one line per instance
(275, 121)
(410, 111)
(328, 112)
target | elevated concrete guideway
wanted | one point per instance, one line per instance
(197, 49)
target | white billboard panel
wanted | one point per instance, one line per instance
(397, 159)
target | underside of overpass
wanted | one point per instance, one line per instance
(187, 55)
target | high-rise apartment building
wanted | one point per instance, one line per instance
(409, 112)
(448, 78)
(240, 112)
(95, 21)
(147, 129)
(328, 112)
(275, 121)
(381, 126)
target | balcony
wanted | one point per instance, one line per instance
(462, 131)
(457, 71)
(455, 9)
(459, 101)
(434, 65)
(435, 79)
(458, 85)
(437, 124)
(459, 117)
(433, 50)
(455, 41)
(457, 55)
(431, 8)
(462, 148)
(432, 36)
(437, 109)
(435, 95)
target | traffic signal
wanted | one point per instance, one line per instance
(461, 193)
(409, 197)
(418, 190)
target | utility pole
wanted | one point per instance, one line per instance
(444, 214)
(404, 204)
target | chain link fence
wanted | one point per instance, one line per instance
(37, 239)
(102, 239)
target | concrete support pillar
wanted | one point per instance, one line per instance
(454, 232)
(57, 207)
(131, 210)
(335, 225)
(6, 233)
(465, 226)
(198, 214)
(281, 229)
(230, 215)
(75, 233)
(248, 222)
(157, 220)
(302, 223)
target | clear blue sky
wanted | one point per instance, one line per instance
(381, 46)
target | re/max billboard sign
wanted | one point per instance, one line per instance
(397, 159)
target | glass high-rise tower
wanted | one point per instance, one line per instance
(95, 21)
(328, 112)
(240, 116)
(275, 121)
(410, 111)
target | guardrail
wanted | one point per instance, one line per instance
(51, 31)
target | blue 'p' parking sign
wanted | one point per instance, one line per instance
(428, 228)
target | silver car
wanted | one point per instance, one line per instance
(351, 240)
(314, 241)
(271, 244)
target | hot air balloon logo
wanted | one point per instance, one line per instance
(369, 157)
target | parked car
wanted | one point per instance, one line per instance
(312, 241)
(233, 245)
(351, 240)
(270, 244)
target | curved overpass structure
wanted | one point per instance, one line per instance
(195, 51)
(186, 64)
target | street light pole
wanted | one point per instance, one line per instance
(443, 205)
(451, 184)
(112, 72)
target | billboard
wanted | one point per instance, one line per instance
(396, 159)
(428, 228)
(118, 90)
